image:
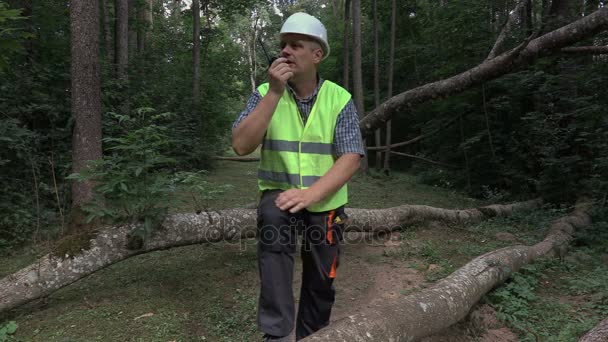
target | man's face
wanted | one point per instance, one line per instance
(302, 52)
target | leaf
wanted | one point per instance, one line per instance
(124, 186)
(8, 329)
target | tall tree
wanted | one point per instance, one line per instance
(390, 72)
(346, 46)
(377, 82)
(121, 37)
(86, 94)
(145, 24)
(132, 28)
(357, 72)
(107, 31)
(196, 55)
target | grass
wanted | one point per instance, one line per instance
(209, 292)
(559, 299)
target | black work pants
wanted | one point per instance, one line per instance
(320, 252)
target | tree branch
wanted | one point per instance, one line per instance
(413, 140)
(544, 45)
(502, 37)
(424, 159)
(449, 301)
(109, 246)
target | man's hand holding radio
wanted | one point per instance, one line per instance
(278, 74)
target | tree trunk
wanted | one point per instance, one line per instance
(357, 72)
(107, 30)
(544, 45)
(145, 24)
(378, 132)
(346, 46)
(334, 7)
(109, 246)
(412, 317)
(132, 29)
(512, 18)
(390, 72)
(121, 38)
(464, 153)
(176, 8)
(597, 334)
(196, 56)
(85, 95)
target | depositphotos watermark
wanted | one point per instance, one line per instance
(287, 235)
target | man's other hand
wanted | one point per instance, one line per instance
(295, 200)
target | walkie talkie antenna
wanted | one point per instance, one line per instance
(270, 59)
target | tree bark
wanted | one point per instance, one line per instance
(357, 72)
(410, 318)
(545, 45)
(196, 56)
(132, 29)
(378, 132)
(597, 334)
(145, 24)
(390, 72)
(511, 19)
(346, 46)
(109, 246)
(86, 94)
(121, 38)
(107, 30)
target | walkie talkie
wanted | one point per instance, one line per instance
(270, 59)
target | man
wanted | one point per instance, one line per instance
(311, 146)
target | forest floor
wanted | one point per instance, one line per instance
(209, 292)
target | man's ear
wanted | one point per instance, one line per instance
(318, 55)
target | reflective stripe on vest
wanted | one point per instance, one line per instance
(284, 177)
(293, 146)
(295, 155)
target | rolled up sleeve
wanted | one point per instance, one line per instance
(251, 104)
(347, 135)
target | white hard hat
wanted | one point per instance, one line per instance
(306, 24)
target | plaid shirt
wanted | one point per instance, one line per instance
(347, 134)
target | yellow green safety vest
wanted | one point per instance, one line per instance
(295, 155)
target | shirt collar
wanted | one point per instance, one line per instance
(314, 93)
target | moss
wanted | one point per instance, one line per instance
(73, 244)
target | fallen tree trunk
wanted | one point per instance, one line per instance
(490, 69)
(109, 246)
(429, 311)
(597, 334)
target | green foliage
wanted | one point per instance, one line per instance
(202, 191)
(11, 36)
(7, 329)
(558, 300)
(133, 181)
